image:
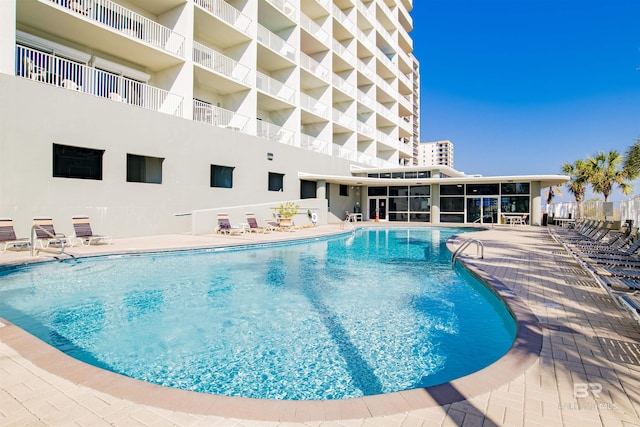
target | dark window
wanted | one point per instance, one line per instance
(410, 175)
(518, 204)
(77, 162)
(386, 175)
(276, 181)
(308, 189)
(420, 190)
(515, 188)
(483, 189)
(399, 191)
(373, 175)
(452, 204)
(344, 190)
(459, 218)
(377, 191)
(397, 175)
(451, 190)
(144, 169)
(399, 204)
(222, 176)
(424, 174)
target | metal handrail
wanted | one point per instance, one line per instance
(464, 245)
(33, 240)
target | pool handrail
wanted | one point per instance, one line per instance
(464, 245)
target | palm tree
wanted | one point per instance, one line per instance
(578, 180)
(632, 160)
(603, 173)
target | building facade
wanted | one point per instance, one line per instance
(435, 153)
(151, 115)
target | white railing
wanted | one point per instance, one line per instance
(227, 13)
(345, 153)
(595, 209)
(385, 86)
(365, 99)
(130, 23)
(630, 210)
(342, 84)
(219, 63)
(312, 104)
(343, 52)
(343, 18)
(46, 68)
(366, 70)
(385, 112)
(312, 143)
(313, 66)
(343, 119)
(285, 7)
(324, 3)
(314, 29)
(274, 132)
(365, 130)
(274, 87)
(217, 116)
(386, 139)
(276, 43)
(362, 8)
(383, 58)
(362, 38)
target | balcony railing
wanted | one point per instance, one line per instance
(312, 143)
(285, 7)
(343, 119)
(366, 70)
(215, 61)
(274, 132)
(274, 87)
(227, 13)
(343, 52)
(314, 29)
(311, 104)
(345, 153)
(276, 43)
(343, 85)
(343, 18)
(131, 23)
(314, 67)
(216, 116)
(46, 68)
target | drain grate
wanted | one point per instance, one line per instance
(621, 351)
(582, 282)
(560, 253)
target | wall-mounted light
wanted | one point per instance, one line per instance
(269, 156)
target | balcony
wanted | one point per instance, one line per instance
(106, 26)
(221, 23)
(314, 106)
(343, 52)
(343, 85)
(52, 70)
(314, 29)
(276, 43)
(314, 67)
(343, 119)
(285, 7)
(312, 143)
(216, 116)
(348, 24)
(345, 153)
(275, 88)
(223, 74)
(274, 132)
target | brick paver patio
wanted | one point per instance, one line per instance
(587, 372)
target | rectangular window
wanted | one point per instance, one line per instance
(222, 176)
(308, 189)
(77, 162)
(276, 181)
(144, 169)
(344, 190)
(515, 188)
(452, 190)
(452, 204)
(482, 189)
(377, 191)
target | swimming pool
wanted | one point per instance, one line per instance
(371, 312)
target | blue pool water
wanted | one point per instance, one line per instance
(370, 312)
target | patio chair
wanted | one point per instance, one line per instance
(253, 224)
(8, 236)
(46, 234)
(225, 227)
(83, 233)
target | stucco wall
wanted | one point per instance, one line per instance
(34, 115)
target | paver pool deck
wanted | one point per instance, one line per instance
(576, 361)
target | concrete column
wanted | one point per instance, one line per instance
(435, 203)
(536, 203)
(8, 37)
(321, 190)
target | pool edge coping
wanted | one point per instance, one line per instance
(522, 354)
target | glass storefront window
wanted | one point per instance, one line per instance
(452, 190)
(515, 188)
(518, 204)
(482, 189)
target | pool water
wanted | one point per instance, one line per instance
(364, 313)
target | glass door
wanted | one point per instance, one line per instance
(378, 205)
(483, 210)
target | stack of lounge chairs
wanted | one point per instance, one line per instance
(612, 257)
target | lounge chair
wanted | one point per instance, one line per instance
(225, 227)
(632, 303)
(46, 234)
(83, 233)
(8, 236)
(253, 224)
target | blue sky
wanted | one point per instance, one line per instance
(522, 86)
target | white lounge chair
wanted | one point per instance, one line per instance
(83, 233)
(8, 236)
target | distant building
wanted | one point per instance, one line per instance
(438, 153)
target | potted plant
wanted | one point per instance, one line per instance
(286, 211)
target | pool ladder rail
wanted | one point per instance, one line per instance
(33, 240)
(465, 244)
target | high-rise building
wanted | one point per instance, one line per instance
(141, 91)
(438, 153)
